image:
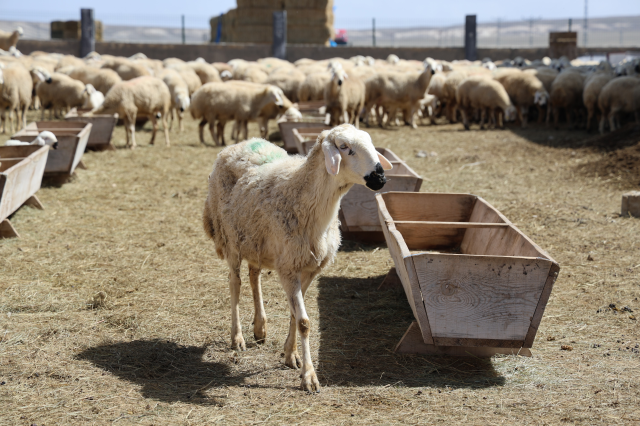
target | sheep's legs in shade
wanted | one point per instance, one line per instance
(237, 341)
(260, 317)
(154, 122)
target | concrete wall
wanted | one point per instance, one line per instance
(226, 52)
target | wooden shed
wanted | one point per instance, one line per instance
(21, 171)
(476, 284)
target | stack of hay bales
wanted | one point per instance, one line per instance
(308, 21)
(72, 30)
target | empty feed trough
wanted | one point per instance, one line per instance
(476, 284)
(21, 170)
(101, 131)
(312, 116)
(358, 208)
(306, 137)
(72, 140)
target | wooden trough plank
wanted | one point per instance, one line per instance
(412, 343)
(427, 224)
(542, 303)
(480, 297)
(430, 207)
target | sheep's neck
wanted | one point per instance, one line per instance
(423, 81)
(319, 194)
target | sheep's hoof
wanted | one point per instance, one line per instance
(238, 344)
(310, 382)
(293, 360)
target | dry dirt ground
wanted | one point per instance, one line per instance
(156, 350)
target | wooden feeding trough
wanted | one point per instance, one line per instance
(306, 137)
(21, 170)
(476, 284)
(311, 117)
(358, 208)
(101, 131)
(72, 140)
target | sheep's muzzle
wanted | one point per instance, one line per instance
(55, 145)
(376, 179)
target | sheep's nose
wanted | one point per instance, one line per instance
(55, 145)
(376, 179)
(49, 80)
(339, 82)
(181, 109)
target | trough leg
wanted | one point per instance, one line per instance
(391, 281)
(413, 343)
(34, 202)
(237, 341)
(7, 230)
(260, 317)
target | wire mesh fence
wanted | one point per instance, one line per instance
(620, 32)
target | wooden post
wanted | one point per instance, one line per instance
(391, 281)
(630, 204)
(280, 34)
(88, 35)
(7, 230)
(563, 44)
(470, 50)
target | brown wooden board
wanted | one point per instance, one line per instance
(359, 206)
(286, 132)
(101, 131)
(72, 141)
(489, 292)
(305, 138)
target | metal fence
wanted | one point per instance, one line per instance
(617, 32)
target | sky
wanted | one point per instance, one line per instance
(349, 13)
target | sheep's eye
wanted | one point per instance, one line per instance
(343, 146)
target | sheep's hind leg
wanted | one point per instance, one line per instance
(166, 130)
(201, 130)
(154, 122)
(237, 341)
(260, 317)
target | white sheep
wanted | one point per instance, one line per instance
(15, 94)
(217, 103)
(142, 96)
(61, 93)
(481, 93)
(344, 97)
(312, 88)
(207, 73)
(44, 138)
(102, 79)
(566, 93)
(9, 40)
(94, 98)
(281, 213)
(592, 89)
(621, 94)
(525, 90)
(179, 90)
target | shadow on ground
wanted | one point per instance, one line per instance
(165, 370)
(359, 328)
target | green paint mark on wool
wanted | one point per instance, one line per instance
(272, 154)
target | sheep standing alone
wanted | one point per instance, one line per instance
(621, 94)
(281, 213)
(344, 97)
(485, 95)
(146, 96)
(9, 40)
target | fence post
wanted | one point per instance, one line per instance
(88, 32)
(280, 34)
(183, 35)
(470, 51)
(586, 4)
(570, 22)
(219, 30)
(373, 32)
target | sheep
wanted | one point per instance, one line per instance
(525, 90)
(281, 213)
(69, 61)
(344, 97)
(394, 90)
(145, 95)
(44, 138)
(545, 75)
(226, 75)
(312, 88)
(15, 94)
(61, 93)
(179, 90)
(566, 93)
(188, 75)
(592, 88)
(449, 90)
(9, 40)
(102, 79)
(207, 73)
(217, 103)
(621, 94)
(484, 94)
(94, 98)
(126, 69)
(289, 80)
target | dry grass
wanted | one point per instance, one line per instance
(155, 349)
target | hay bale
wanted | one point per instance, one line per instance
(308, 4)
(72, 30)
(261, 4)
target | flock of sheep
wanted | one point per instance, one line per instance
(353, 90)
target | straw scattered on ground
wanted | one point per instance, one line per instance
(114, 308)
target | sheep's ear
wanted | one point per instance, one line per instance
(386, 164)
(331, 157)
(39, 75)
(1, 77)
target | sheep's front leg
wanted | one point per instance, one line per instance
(154, 122)
(166, 130)
(237, 341)
(260, 317)
(295, 289)
(201, 130)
